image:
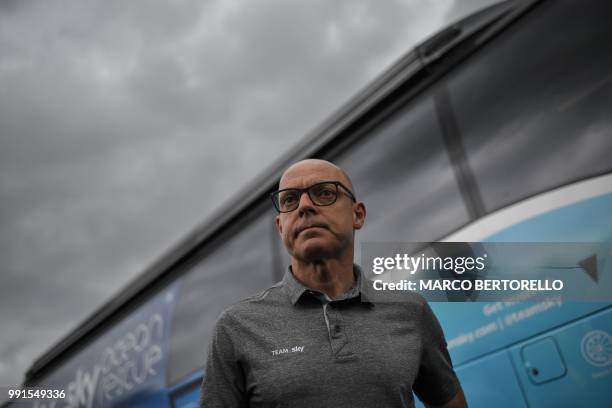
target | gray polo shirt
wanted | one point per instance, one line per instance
(285, 347)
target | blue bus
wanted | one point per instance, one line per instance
(498, 128)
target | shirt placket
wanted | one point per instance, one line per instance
(338, 340)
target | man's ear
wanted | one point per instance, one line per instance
(279, 226)
(359, 215)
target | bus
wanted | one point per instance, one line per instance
(497, 128)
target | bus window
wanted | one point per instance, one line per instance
(401, 171)
(533, 109)
(240, 266)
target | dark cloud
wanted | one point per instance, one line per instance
(117, 122)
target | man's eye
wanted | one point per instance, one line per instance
(288, 199)
(325, 192)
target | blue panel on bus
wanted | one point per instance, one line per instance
(585, 221)
(188, 399)
(542, 360)
(473, 329)
(486, 380)
(125, 367)
(186, 393)
(585, 350)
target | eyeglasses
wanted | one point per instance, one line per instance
(321, 194)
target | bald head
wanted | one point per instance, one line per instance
(309, 171)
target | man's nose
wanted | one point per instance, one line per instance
(305, 204)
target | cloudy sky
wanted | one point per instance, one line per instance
(124, 124)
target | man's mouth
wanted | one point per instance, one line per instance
(311, 226)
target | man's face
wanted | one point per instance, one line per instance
(312, 232)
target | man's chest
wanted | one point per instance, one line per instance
(331, 350)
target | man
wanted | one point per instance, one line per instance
(314, 339)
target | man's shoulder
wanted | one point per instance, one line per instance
(273, 294)
(257, 304)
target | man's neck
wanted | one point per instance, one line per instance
(331, 276)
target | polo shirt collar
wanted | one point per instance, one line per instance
(295, 289)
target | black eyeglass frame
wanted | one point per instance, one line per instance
(307, 191)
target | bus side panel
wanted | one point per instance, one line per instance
(470, 333)
(498, 388)
(571, 366)
(124, 367)
(478, 328)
